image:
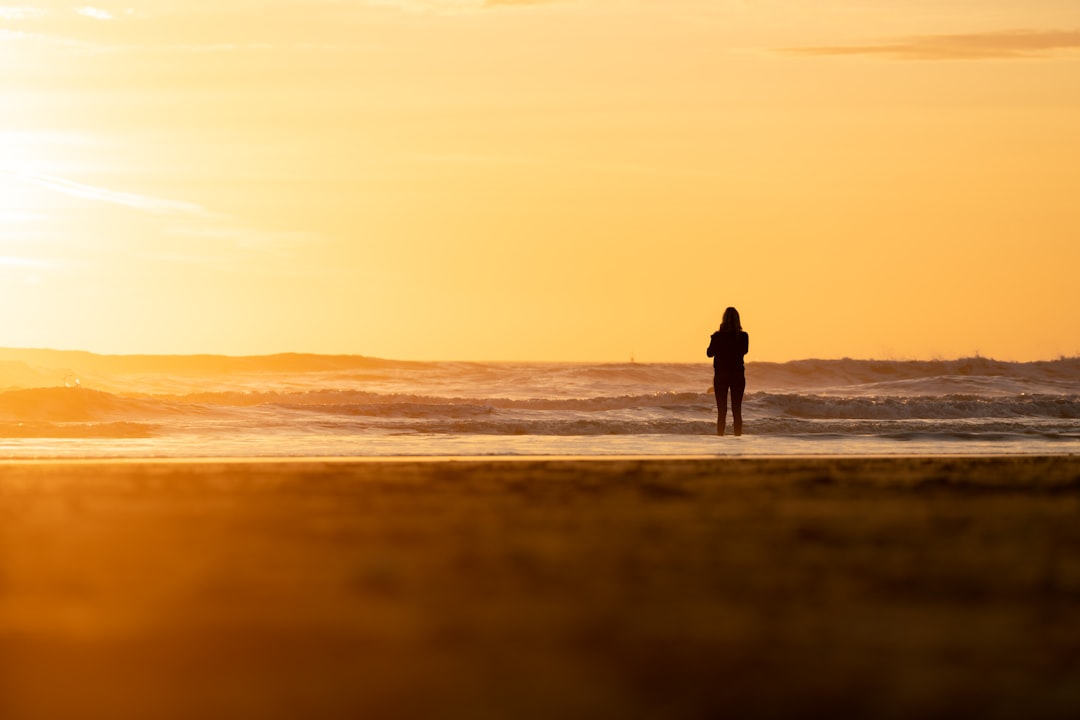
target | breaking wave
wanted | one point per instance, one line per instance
(341, 396)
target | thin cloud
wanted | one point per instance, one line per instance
(95, 13)
(1004, 45)
(146, 203)
(186, 233)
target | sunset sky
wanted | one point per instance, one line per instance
(529, 180)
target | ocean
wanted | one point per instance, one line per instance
(59, 404)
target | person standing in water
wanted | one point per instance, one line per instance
(727, 347)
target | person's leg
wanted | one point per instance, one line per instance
(720, 388)
(738, 387)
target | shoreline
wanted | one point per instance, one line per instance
(650, 457)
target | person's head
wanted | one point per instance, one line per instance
(731, 321)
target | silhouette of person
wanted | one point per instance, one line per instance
(727, 347)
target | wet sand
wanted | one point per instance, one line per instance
(875, 588)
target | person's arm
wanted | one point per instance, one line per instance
(712, 350)
(745, 343)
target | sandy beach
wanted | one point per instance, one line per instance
(629, 588)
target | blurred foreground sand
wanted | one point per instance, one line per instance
(886, 588)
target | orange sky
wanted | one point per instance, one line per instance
(565, 180)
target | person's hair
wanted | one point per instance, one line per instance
(731, 322)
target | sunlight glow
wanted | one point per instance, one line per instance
(541, 179)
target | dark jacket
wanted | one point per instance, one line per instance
(727, 350)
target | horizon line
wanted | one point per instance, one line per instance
(355, 355)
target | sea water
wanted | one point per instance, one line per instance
(344, 406)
